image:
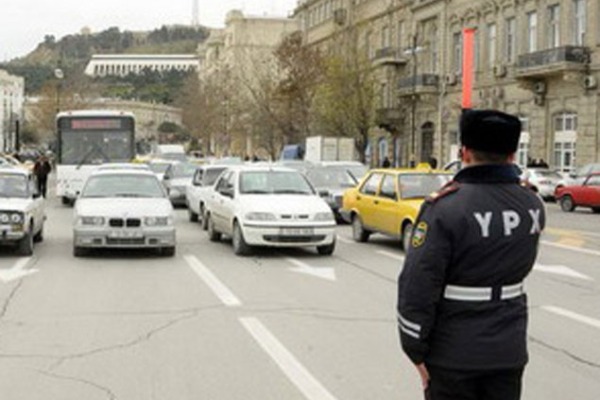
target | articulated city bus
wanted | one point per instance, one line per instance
(87, 139)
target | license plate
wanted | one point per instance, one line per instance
(297, 231)
(125, 235)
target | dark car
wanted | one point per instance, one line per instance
(331, 182)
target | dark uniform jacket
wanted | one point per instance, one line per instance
(481, 231)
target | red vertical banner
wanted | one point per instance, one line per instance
(468, 64)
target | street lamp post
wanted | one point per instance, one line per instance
(59, 75)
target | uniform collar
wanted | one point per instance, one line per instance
(490, 173)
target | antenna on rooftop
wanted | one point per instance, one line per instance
(196, 14)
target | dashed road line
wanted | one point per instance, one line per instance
(310, 387)
(397, 257)
(219, 289)
(571, 248)
(573, 315)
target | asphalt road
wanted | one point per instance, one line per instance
(279, 325)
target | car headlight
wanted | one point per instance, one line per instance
(324, 216)
(158, 221)
(17, 218)
(260, 216)
(92, 221)
(4, 218)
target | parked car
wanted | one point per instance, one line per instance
(330, 182)
(580, 175)
(22, 212)
(176, 180)
(123, 209)
(543, 180)
(586, 194)
(388, 200)
(269, 206)
(198, 191)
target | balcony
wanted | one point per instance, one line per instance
(546, 63)
(389, 56)
(419, 84)
(388, 118)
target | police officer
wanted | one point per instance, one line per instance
(462, 309)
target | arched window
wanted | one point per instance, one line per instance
(427, 136)
(565, 141)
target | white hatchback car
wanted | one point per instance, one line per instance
(21, 210)
(269, 206)
(123, 209)
(197, 193)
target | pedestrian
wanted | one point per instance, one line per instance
(41, 170)
(462, 311)
(386, 163)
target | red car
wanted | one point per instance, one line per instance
(586, 194)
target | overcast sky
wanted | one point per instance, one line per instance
(24, 23)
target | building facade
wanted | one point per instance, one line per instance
(12, 94)
(239, 59)
(124, 64)
(534, 58)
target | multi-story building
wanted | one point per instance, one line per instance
(239, 57)
(534, 58)
(12, 93)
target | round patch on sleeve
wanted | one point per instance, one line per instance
(419, 234)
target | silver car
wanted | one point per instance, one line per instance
(123, 209)
(543, 180)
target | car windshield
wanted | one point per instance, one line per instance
(335, 178)
(122, 185)
(13, 186)
(183, 170)
(211, 175)
(358, 171)
(159, 168)
(588, 169)
(418, 186)
(274, 182)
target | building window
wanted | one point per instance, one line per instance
(565, 139)
(532, 32)
(368, 48)
(579, 22)
(385, 37)
(457, 52)
(554, 26)
(401, 44)
(491, 30)
(433, 40)
(511, 39)
(524, 143)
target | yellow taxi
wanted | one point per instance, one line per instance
(387, 201)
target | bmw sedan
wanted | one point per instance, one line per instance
(123, 209)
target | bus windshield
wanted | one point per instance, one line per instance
(92, 141)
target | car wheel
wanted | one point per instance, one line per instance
(567, 204)
(240, 247)
(193, 217)
(213, 235)
(406, 235)
(65, 201)
(359, 233)
(327, 249)
(25, 246)
(167, 251)
(79, 251)
(204, 217)
(596, 210)
(39, 237)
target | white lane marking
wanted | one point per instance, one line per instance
(561, 270)
(577, 249)
(572, 315)
(291, 367)
(218, 288)
(18, 270)
(326, 273)
(397, 257)
(345, 239)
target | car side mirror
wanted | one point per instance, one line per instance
(323, 193)
(36, 195)
(166, 177)
(227, 192)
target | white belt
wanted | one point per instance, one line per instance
(470, 293)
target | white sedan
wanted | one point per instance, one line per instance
(197, 193)
(123, 209)
(269, 206)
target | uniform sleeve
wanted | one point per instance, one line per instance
(421, 282)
